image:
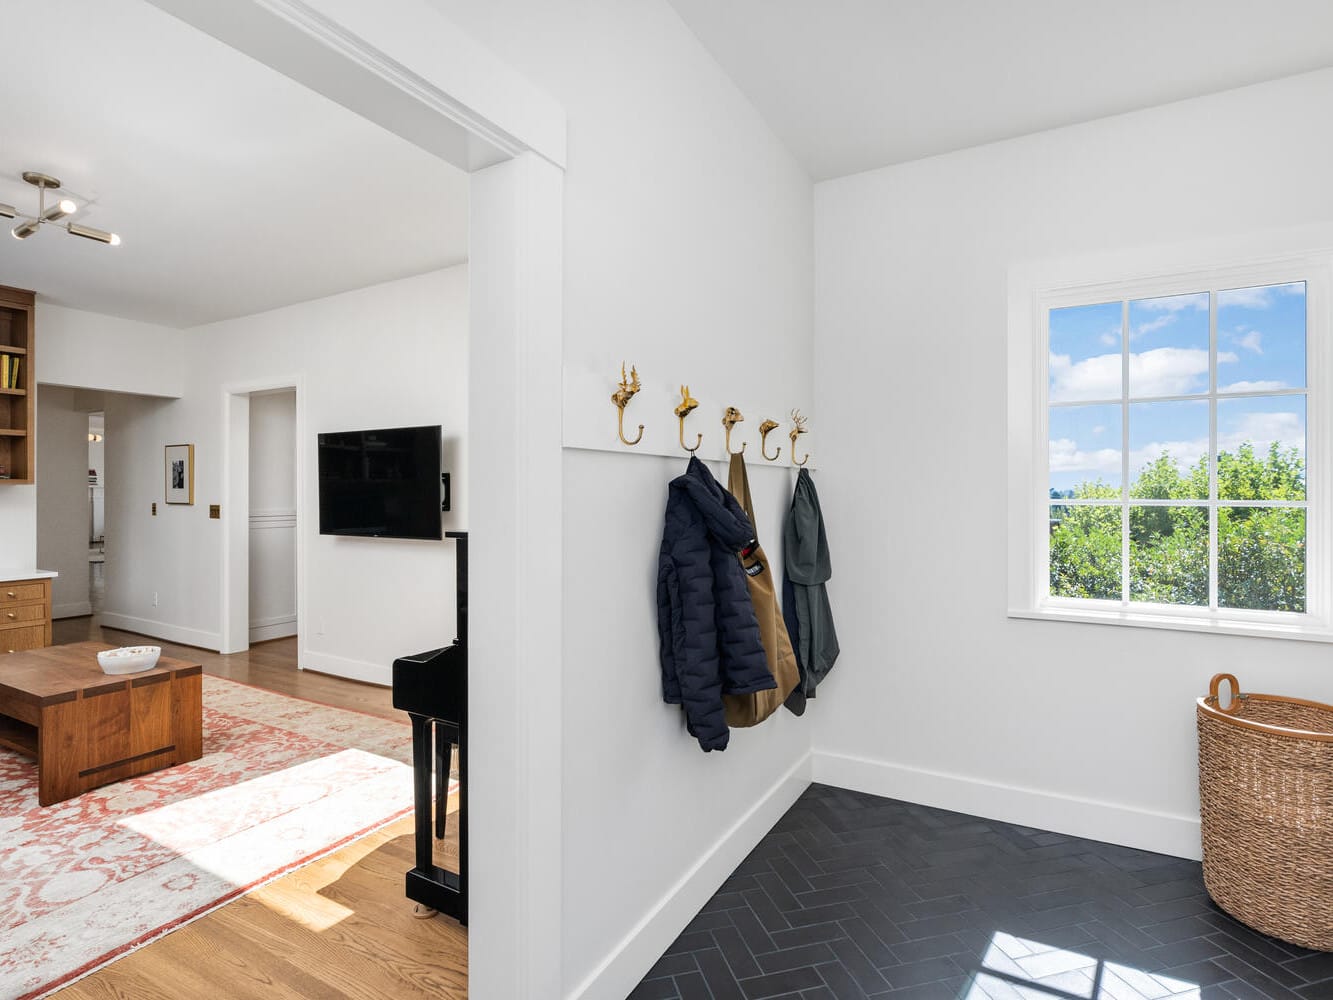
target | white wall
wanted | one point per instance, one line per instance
(389, 355)
(62, 484)
(273, 473)
(935, 683)
(687, 248)
(87, 350)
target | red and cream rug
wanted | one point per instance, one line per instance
(281, 782)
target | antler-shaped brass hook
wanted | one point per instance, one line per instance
(682, 411)
(729, 420)
(621, 397)
(764, 429)
(798, 428)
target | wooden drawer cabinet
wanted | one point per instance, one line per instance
(25, 615)
(18, 614)
(15, 640)
(23, 591)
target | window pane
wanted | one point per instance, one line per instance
(1168, 450)
(1168, 345)
(1085, 352)
(1261, 338)
(1168, 555)
(1261, 558)
(1261, 448)
(1084, 452)
(1085, 552)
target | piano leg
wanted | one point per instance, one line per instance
(461, 737)
(421, 789)
(431, 887)
(443, 748)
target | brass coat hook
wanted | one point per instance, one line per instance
(682, 411)
(764, 430)
(621, 397)
(798, 428)
(729, 420)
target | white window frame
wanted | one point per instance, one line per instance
(1034, 291)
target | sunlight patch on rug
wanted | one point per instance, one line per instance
(281, 782)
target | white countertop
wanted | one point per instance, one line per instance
(10, 575)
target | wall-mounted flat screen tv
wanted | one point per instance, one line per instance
(381, 484)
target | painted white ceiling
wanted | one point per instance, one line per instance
(233, 188)
(850, 85)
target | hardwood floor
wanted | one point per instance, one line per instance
(270, 665)
(339, 927)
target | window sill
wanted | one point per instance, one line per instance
(1308, 632)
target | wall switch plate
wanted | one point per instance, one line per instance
(155, 510)
(215, 511)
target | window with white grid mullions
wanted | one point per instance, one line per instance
(1177, 450)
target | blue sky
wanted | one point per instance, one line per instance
(1261, 347)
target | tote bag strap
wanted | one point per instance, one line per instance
(738, 485)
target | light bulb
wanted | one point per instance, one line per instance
(114, 241)
(60, 209)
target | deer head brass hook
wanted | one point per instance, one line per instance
(621, 397)
(682, 411)
(765, 429)
(729, 420)
(798, 428)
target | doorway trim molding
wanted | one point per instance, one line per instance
(402, 65)
(234, 629)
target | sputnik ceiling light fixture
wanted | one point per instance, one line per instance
(54, 215)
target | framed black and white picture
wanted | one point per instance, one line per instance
(180, 473)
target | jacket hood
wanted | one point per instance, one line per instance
(806, 555)
(721, 514)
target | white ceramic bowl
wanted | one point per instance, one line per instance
(129, 659)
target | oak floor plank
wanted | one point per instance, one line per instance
(339, 927)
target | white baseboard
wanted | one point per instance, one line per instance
(272, 628)
(341, 666)
(1164, 833)
(77, 609)
(635, 954)
(162, 630)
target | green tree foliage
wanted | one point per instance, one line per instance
(1261, 550)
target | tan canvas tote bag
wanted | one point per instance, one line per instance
(751, 709)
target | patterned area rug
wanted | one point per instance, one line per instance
(281, 782)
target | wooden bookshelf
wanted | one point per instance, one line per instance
(17, 415)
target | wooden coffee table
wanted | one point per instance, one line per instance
(86, 728)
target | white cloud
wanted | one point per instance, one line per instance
(1255, 386)
(1260, 430)
(1259, 296)
(1286, 429)
(1153, 325)
(1097, 377)
(1171, 371)
(1185, 453)
(1099, 429)
(1197, 301)
(1252, 341)
(1066, 456)
(1162, 371)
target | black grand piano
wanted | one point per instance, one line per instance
(432, 688)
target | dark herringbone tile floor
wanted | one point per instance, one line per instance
(854, 896)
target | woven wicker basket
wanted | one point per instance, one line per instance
(1266, 797)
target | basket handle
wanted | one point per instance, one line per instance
(1216, 683)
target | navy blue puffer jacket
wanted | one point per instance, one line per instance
(706, 622)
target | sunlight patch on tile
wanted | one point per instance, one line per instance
(1020, 969)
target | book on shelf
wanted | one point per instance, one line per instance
(9, 371)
